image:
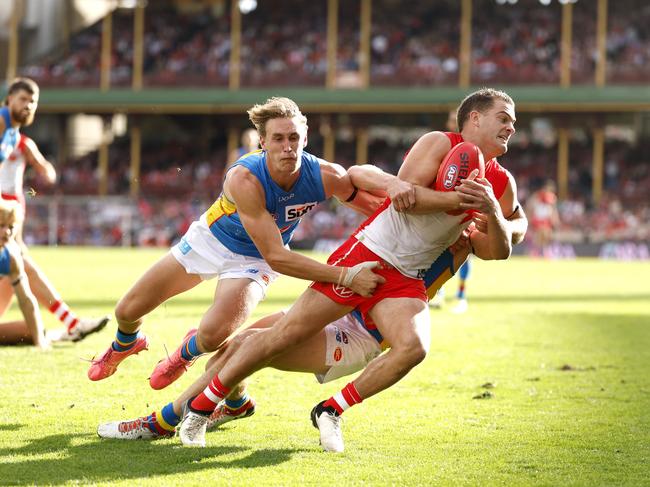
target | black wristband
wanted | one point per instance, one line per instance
(353, 195)
(513, 212)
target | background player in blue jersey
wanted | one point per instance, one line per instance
(343, 347)
(14, 282)
(242, 239)
(18, 111)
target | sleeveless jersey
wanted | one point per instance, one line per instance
(12, 170)
(412, 242)
(286, 207)
(9, 139)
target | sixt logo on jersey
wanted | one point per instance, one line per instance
(293, 212)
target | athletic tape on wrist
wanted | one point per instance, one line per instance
(353, 271)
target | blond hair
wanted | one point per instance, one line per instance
(10, 208)
(275, 107)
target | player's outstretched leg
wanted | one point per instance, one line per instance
(165, 279)
(172, 367)
(328, 422)
(159, 424)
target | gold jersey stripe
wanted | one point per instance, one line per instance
(223, 206)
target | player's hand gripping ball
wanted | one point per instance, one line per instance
(459, 162)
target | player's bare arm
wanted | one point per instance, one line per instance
(374, 180)
(259, 224)
(420, 168)
(36, 159)
(338, 183)
(501, 223)
(27, 302)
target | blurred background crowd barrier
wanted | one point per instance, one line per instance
(143, 104)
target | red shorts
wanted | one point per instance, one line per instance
(397, 285)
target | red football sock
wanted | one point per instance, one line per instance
(64, 314)
(349, 396)
(211, 396)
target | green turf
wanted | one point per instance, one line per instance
(528, 320)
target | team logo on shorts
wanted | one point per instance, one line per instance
(184, 247)
(338, 354)
(337, 334)
(341, 291)
(251, 271)
(266, 278)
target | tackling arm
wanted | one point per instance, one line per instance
(337, 182)
(263, 231)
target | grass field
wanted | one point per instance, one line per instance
(564, 345)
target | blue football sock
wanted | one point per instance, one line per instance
(237, 403)
(169, 416)
(191, 350)
(124, 341)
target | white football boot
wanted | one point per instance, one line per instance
(192, 431)
(135, 429)
(83, 328)
(329, 426)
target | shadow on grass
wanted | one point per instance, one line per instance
(107, 460)
(11, 427)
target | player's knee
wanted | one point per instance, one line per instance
(411, 353)
(211, 340)
(416, 354)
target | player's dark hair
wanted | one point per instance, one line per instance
(26, 84)
(481, 101)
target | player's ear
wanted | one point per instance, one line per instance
(263, 142)
(474, 117)
(305, 143)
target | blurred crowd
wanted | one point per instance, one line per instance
(177, 184)
(517, 43)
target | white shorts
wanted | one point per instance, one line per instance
(200, 252)
(349, 348)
